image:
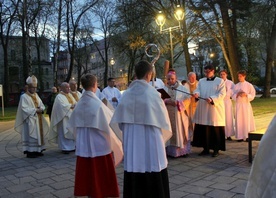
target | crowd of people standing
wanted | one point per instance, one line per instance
(140, 127)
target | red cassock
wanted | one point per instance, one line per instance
(96, 177)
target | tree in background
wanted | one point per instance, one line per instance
(129, 39)
(105, 14)
(75, 10)
(39, 30)
(271, 48)
(214, 21)
(8, 13)
(83, 49)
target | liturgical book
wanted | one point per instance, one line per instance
(164, 94)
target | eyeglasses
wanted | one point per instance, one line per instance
(207, 71)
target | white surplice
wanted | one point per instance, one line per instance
(58, 128)
(229, 116)
(111, 92)
(145, 123)
(90, 124)
(207, 114)
(100, 95)
(158, 83)
(262, 178)
(27, 124)
(244, 119)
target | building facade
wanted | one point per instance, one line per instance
(41, 69)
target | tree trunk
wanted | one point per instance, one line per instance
(58, 44)
(270, 59)
(24, 57)
(6, 89)
(185, 43)
(231, 44)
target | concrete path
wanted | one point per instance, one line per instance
(53, 174)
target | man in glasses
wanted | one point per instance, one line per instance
(111, 93)
(209, 117)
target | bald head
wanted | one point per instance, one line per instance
(64, 87)
(192, 77)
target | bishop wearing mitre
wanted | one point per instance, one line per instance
(30, 122)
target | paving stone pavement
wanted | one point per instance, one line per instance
(52, 175)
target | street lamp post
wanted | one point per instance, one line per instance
(161, 19)
(112, 63)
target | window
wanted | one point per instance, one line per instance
(13, 55)
(13, 71)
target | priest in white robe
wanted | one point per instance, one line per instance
(191, 85)
(74, 91)
(229, 115)
(244, 93)
(98, 147)
(111, 93)
(209, 117)
(158, 83)
(262, 178)
(177, 105)
(30, 122)
(62, 110)
(144, 120)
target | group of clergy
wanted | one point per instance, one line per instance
(31, 123)
(79, 122)
(201, 112)
(181, 106)
(64, 105)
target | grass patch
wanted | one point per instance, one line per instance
(9, 113)
(263, 106)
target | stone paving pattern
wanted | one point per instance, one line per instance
(52, 175)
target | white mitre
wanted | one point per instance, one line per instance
(32, 80)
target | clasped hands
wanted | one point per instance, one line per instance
(39, 110)
(241, 94)
(72, 106)
(114, 99)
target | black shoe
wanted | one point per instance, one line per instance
(215, 154)
(229, 138)
(246, 140)
(240, 140)
(31, 155)
(185, 156)
(65, 152)
(171, 157)
(204, 152)
(39, 154)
